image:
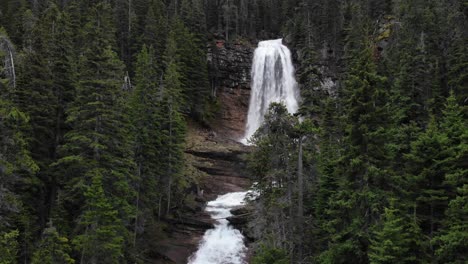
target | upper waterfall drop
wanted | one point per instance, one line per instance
(272, 81)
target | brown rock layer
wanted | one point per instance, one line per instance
(230, 66)
(221, 160)
(215, 154)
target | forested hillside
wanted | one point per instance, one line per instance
(377, 170)
(96, 97)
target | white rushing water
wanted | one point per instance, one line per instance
(223, 244)
(272, 81)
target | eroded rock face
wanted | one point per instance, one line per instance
(240, 219)
(214, 153)
(221, 159)
(230, 65)
(221, 163)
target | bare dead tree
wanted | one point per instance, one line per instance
(9, 59)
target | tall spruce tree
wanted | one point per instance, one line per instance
(53, 248)
(173, 127)
(146, 102)
(16, 166)
(449, 242)
(273, 163)
(355, 207)
(193, 70)
(154, 33)
(97, 154)
(395, 238)
(426, 177)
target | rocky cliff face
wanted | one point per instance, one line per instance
(222, 161)
(230, 65)
(220, 164)
(214, 154)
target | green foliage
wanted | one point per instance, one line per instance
(94, 97)
(154, 32)
(266, 255)
(97, 155)
(193, 69)
(104, 234)
(173, 127)
(52, 249)
(273, 162)
(450, 244)
(458, 71)
(9, 247)
(145, 105)
(427, 176)
(393, 241)
(451, 241)
(358, 174)
(16, 164)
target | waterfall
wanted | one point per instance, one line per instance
(223, 244)
(272, 81)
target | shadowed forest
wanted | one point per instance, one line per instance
(97, 98)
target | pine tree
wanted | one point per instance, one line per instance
(97, 154)
(146, 100)
(155, 31)
(270, 255)
(393, 240)
(193, 16)
(451, 243)
(104, 234)
(172, 123)
(14, 155)
(9, 247)
(58, 51)
(53, 248)
(193, 70)
(450, 240)
(16, 165)
(327, 161)
(45, 87)
(125, 25)
(426, 178)
(12, 17)
(274, 163)
(362, 184)
(458, 67)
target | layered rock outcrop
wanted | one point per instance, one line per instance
(214, 154)
(221, 159)
(220, 162)
(229, 67)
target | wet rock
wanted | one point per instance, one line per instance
(240, 220)
(190, 222)
(229, 67)
(214, 154)
(222, 161)
(242, 211)
(240, 217)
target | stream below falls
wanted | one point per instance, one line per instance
(223, 244)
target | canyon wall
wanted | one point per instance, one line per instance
(229, 68)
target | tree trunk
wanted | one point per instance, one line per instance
(137, 207)
(170, 162)
(300, 202)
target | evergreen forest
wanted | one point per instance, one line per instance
(97, 98)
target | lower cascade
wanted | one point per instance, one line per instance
(223, 244)
(272, 81)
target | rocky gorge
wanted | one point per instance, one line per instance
(214, 153)
(229, 67)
